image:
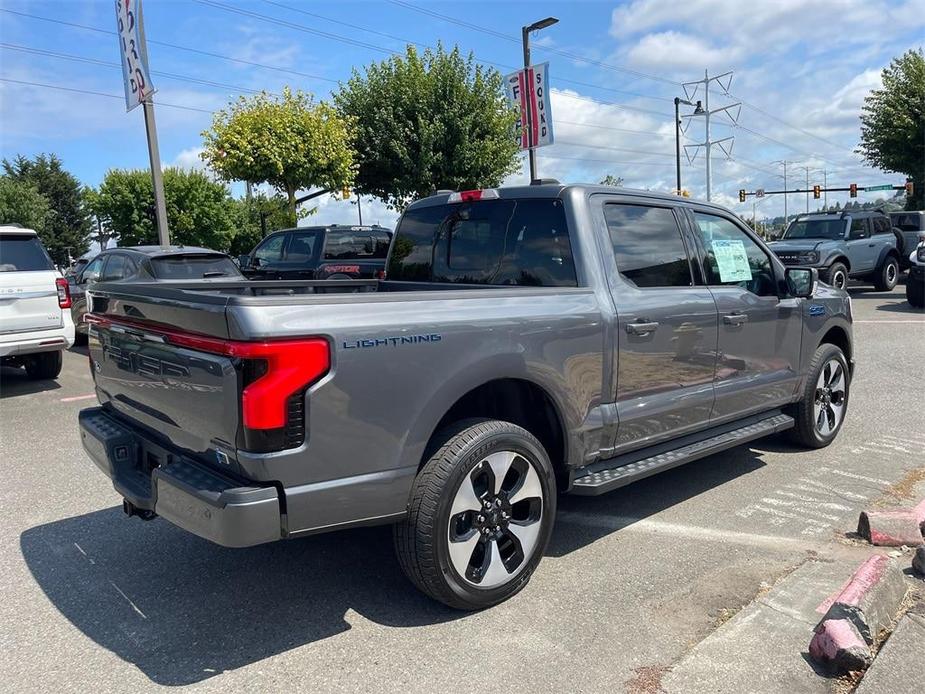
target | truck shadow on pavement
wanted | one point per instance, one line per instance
(183, 610)
(15, 382)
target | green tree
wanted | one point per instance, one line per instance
(200, 211)
(258, 217)
(68, 224)
(428, 121)
(893, 123)
(611, 180)
(21, 203)
(289, 142)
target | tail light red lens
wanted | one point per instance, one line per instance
(64, 292)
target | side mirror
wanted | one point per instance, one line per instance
(801, 281)
(243, 261)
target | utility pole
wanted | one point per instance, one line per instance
(784, 162)
(359, 210)
(825, 189)
(807, 169)
(690, 90)
(525, 36)
(677, 138)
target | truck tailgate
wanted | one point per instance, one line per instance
(189, 396)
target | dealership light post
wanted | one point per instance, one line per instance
(677, 136)
(525, 33)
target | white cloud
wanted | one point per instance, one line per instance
(189, 158)
(673, 50)
(330, 210)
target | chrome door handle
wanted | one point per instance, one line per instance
(735, 319)
(641, 328)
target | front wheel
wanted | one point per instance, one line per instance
(481, 514)
(886, 278)
(915, 291)
(836, 276)
(821, 411)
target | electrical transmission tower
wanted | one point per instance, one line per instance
(691, 89)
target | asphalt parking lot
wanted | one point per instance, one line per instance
(631, 580)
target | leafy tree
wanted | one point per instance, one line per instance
(289, 142)
(200, 211)
(893, 123)
(98, 215)
(428, 121)
(68, 224)
(21, 203)
(611, 180)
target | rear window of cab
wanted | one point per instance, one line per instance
(489, 242)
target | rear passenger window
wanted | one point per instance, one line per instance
(648, 246)
(881, 226)
(495, 242)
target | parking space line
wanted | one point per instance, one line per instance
(681, 531)
(78, 397)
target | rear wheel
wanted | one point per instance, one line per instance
(43, 366)
(480, 517)
(821, 412)
(887, 275)
(836, 275)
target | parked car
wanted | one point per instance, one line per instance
(327, 252)
(526, 340)
(909, 228)
(35, 320)
(146, 263)
(843, 245)
(915, 282)
(76, 268)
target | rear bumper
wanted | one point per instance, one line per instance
(37, 341)
(182, 490)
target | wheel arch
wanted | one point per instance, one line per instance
(838, 336)
(840, 258)
(520, 401)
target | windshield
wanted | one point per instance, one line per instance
(816, 229)
(22, 253)
(194, 267)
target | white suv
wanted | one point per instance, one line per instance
(35, 302)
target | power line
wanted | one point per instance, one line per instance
(117, 66)
(92, 93)
(615, 149)
(547, 49)
(251, 63)
(790, 125)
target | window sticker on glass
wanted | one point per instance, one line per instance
(732, 260)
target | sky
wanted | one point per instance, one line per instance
(799, 70)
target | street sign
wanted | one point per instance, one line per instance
(871, 189)
(759, 193)
(528, 91)
(135, 75)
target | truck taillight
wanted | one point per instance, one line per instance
(285, 367)
(64, 292)
(473, 195)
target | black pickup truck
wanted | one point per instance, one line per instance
(319, 253)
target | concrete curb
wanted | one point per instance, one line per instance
(838, 645)
(869, 601)
(891, 528)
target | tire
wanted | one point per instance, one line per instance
(836, 275)
(825, 392)
(887, 274)
(43, 366)
(915, 291)
(455, 495)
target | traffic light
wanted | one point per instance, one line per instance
(853, 190)
(742, 195)
(817, 192)
(909, 187)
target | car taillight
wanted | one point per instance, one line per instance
(64, 292)
(380, 274)
(473, 195)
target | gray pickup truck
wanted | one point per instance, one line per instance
(857, 244)
(527, 341)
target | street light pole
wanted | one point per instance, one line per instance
(525, 36)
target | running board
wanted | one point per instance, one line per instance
(618, 472)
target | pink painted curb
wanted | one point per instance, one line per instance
(837, 645)
(892, 528)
